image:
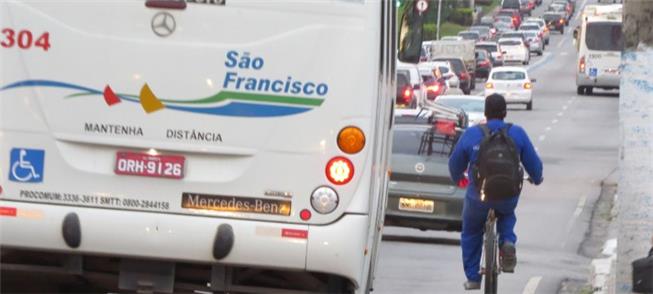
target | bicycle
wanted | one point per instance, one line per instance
(491, 268)
(490, 251)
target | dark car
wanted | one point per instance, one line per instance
(421, 194)
(466, 79)
(483, 63)
(555, 21)
(513, 14)
(405, 94)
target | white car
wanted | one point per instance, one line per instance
(536, 44)
(445, 70)
(512, 83)
(546, 34)
(514, 50)
(474, 106)
(415, 80)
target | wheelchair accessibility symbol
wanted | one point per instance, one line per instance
(26, 165)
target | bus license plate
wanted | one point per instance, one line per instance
(417, 205)
(142, 164)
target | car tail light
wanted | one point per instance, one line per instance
(484, 63)
(433, 88)
(305, 214)
(463, 183)
(339, 170)
(562, 21)
(528, 86)
(408, 95)
(489, 86)
(324, 200)
(464, 76)
(581, 65)
(351, 140)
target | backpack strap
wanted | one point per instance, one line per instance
(485, 129)
(505, 129)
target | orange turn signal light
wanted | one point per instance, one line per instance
(528, 86)
(351, 140)
(489, 86)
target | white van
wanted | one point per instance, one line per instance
(174, 146)
(599, 53)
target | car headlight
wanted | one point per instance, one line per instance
(324, 200)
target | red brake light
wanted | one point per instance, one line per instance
(433, 88)
(464, 76)
(339, 170)
(581, 65)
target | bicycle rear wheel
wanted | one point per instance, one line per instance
(491, 265)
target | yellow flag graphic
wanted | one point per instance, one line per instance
(149, 101)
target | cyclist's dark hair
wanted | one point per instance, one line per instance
(495, 107)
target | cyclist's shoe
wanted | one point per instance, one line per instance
(508, 257)
(471, 285)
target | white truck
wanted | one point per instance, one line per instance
(180, 146)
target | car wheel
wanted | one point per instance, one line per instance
(562, 31)
(546, 42)
(539, 53)
(529, 105)
(580, 90)
(467, 92)
(589, 90)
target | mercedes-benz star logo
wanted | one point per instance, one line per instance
(163, 24)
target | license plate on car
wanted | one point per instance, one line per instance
(147, 165)
(417, 205)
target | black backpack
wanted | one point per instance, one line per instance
(497, 173)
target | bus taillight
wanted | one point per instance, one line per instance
(339, 170)
(581, 65)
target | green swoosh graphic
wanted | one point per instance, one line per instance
(225, 95)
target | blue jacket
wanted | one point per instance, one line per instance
(465, 154)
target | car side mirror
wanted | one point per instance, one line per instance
(533, 80)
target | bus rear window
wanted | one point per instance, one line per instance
(604, 36)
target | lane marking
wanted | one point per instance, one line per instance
(564, 107)
(564, 54)
(542, 137)
(561, 42)
(560, 113)
(555, 121)
(532, 284)
(547, 129)
(577, 212)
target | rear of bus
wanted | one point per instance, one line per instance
(231, 143)
(599, 54)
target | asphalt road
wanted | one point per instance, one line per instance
(577, 138)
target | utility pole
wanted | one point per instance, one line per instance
(439, 14)
(635, 197)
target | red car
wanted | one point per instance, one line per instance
(513, 13)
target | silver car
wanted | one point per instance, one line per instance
(421, 193)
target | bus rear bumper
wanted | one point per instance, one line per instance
(331, 249)
(601, 81)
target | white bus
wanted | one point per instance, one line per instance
(173, 146)
(599, 42)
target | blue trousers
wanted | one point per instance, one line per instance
(474, 216)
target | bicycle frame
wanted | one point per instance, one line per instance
(490, 252)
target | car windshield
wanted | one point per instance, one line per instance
(427, 78)
(604, 36)
(457, 64)
(491, 48)
(468, 105)
(508, 75)
(510, 43)
(481, 55)
(530, 28)
(421, 140)
(468, 36)
(551, 17)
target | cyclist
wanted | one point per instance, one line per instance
(475, 211)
